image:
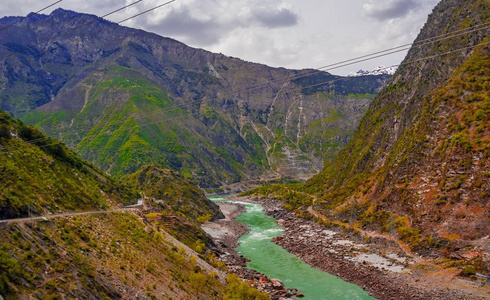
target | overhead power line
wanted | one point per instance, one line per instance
(406, 63)
(366, 57)
(349, 62)
(314, 85)
(343, 78)
(374, 55)
(417, 44)
(146, 11)
(73, 29)
(20, 20)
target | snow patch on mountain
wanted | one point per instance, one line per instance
(381, 70)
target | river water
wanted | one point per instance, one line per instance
(275, 262)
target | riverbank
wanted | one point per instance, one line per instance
(378, 265)
(225, 233)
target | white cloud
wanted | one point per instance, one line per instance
(246, 44)
(398, 23)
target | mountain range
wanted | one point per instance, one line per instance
(123, 98)
(404, 156)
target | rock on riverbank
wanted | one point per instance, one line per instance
(225, 233)
(375, 265)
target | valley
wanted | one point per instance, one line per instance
(133, 166)
(276, 263)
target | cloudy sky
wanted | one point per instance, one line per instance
(281, 33)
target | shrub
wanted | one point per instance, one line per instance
(238, 290)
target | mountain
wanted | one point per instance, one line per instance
(96, 250)
(381, 70)
(123, 98)
(418, 164)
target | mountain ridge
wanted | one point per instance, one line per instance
(86, 246)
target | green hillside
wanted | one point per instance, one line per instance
(176, 192)
(421, 152)
(417, 166)
(40, 175)
(103, 255)
(143, 125)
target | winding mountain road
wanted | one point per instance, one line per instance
(46, 217)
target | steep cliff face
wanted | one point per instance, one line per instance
(123, 98)
(419, 161)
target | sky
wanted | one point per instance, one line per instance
(293, 34)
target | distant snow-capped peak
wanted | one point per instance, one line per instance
(381, 70)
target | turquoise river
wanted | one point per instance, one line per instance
(275, 262)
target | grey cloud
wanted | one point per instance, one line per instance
(181, 23)
(389, 9)
(275, 19)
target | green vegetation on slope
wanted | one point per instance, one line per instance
(40, 175)
(104, 257)
(99, 256)
(127, 121)
(176, 203)
(418, 164)
(455, 119)
(293, 195)
(175, 191)
(132, 98)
